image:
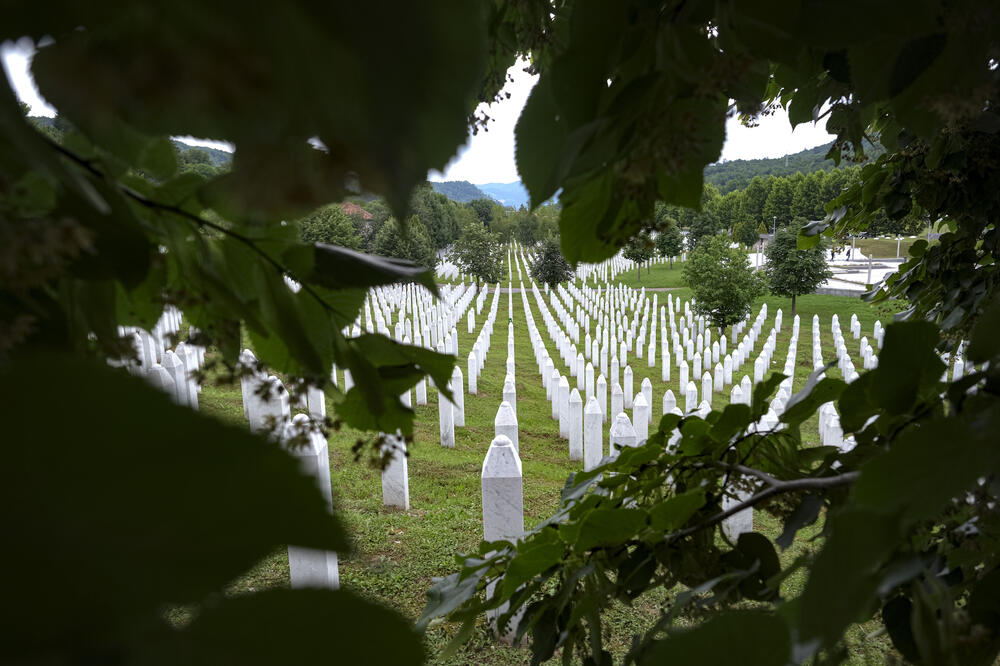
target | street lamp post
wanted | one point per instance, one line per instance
(775, 218)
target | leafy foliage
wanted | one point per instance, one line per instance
(646, 521)
(477, 253)
(723, 283)
(791, 271)
(411, 242)
(330, 225)
(550, 265)
(99, 229)
(639, 249)
(461, 191)
(669, 242)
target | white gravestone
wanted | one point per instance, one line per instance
(505, 424)
(503, 507)
(308, 567)
(395, 475)
(459, 392)
(622, 435)
(640, 418)
(575, 426)
(593, 435)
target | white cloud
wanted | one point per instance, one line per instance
(16, 58)
(489, 156)
(773, 137)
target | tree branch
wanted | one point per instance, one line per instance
(146, 202)
(777, 488)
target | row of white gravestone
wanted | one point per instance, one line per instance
(269, 410)
(173, 371)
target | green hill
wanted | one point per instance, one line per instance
(218, 157)
(737, 174)
(459, 190)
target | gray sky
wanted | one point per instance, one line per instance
(489, 156)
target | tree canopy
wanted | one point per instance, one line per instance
(411, 242)
(793, 272)
(639, 249)
(322, 102)
(550, 266)
(670, 242)
(722, 281)
(330, 225)
(478, 253)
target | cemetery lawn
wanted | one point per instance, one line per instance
(884, 248)
(398, 553)
(657, 275)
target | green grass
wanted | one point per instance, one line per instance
(657, 275)
(397, 553)
(884, 248)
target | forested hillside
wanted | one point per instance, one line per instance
(737, 174)
(459, 190)
(218, 157)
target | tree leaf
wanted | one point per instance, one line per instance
(538, 553)
(672, 513)
(157, 503)
(292, 627)
(906, 365)
(762, 638)
(341, 268)
(608, 527)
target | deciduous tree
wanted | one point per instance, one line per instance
(722, 281)
(478, 253)
(790, 271)
(670, 242)
(639, 249)
(550, 265)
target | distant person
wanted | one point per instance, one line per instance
(848, 254)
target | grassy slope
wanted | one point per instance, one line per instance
(657, 275)
(397, 553)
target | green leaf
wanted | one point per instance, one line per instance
(763, 391)
(755, 555)
(910, 478)
(158, 158)
(672, 513)
(734, 419)
(538, 553)
(906, 365)
(804, 514)
(292, 627)
(896, 618)
(341, 268)
(609, 527)
(985, 343)
(539, 138)
(816, 392)
(763, 640)
(845, 577)
(167, 505)
(309, 59)
(450, 592)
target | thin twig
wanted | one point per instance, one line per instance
(145, 201)
(779, 488)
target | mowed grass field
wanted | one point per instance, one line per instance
(656, 275)
(397, 553)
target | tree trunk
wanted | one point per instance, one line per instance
(793, 306)
(638, 272)
(671, 263)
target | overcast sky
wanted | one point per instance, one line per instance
(488, 157)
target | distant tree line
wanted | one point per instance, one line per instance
(773, 202)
